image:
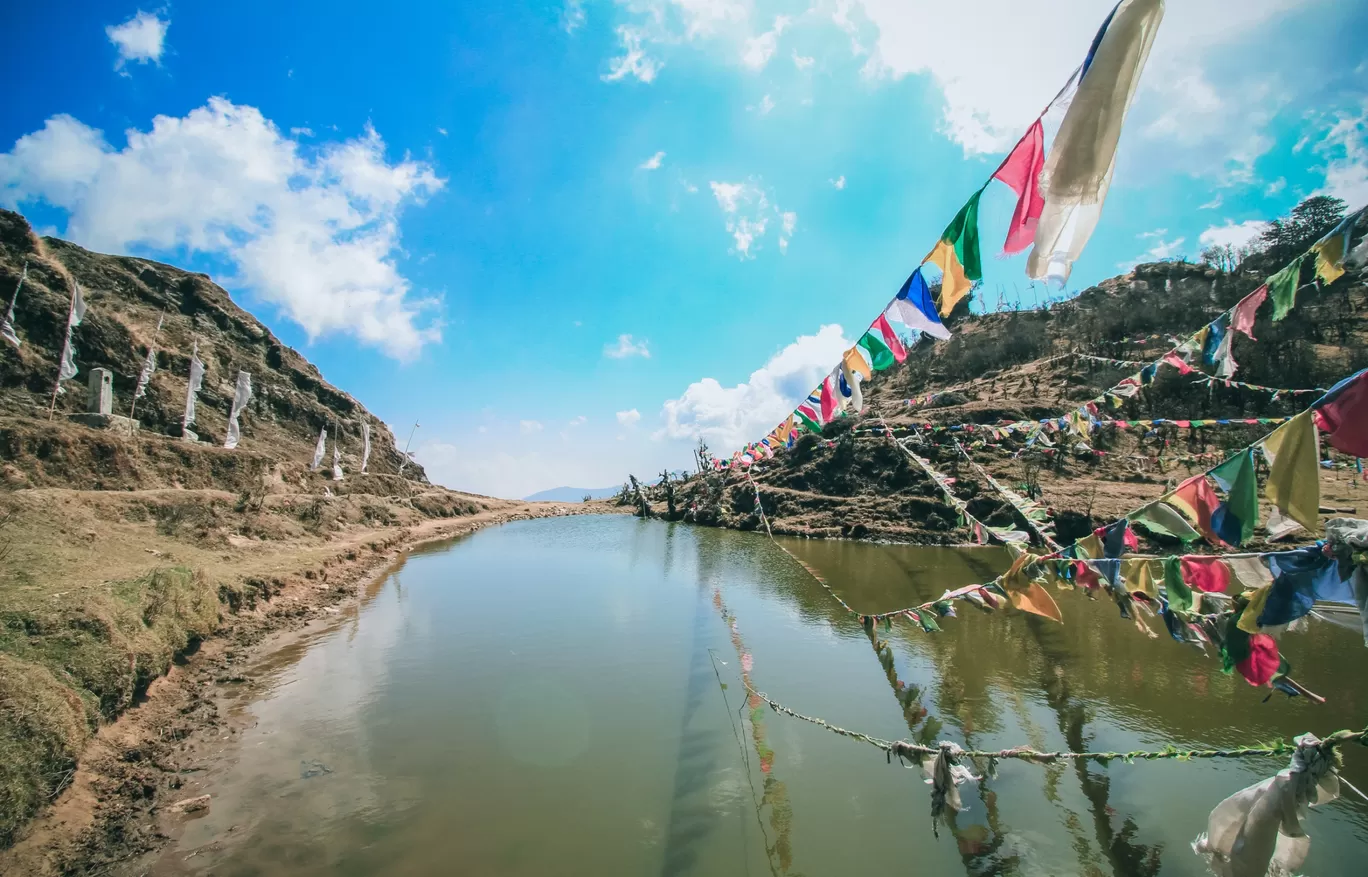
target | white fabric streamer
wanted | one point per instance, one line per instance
(1079, 168)
(337, 461)
(1258, 830)
(196, 381)
(365, 447)
(318, 448)
(67, 370)
(852, 379)
(241, 396)
(7, 327)
(149, 365)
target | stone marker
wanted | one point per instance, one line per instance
(100, 406)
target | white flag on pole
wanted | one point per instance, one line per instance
(196, 381)
(7, 327)
(365, 447)
(337, 461)
(318, 448)
(67, 370)
(241, 396)
(149, 365)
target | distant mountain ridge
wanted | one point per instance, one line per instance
(573, 494)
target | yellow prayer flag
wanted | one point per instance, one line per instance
(854, 361)
(1249, 618)
(1139, 577)
(1330, 258)
(954, 284)
(1294, 471)
(1027, 594)
(1090, 548)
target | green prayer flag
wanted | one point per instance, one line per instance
(963, 232)
(1164, 519)
(1179, 594)
(1236, 477)
(808, 422)
(1282, 288)
(879, 354)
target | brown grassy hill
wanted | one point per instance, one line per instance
(125, 297)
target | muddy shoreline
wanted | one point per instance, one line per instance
(116, 806)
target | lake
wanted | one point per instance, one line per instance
(564, 697)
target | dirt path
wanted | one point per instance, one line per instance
(113, 807)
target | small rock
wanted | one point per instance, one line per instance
(191, 805)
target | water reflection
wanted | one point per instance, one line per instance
(548, 698)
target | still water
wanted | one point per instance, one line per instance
(564, 697)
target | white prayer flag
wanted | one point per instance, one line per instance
(196, 381)
(7, 327)
(149, 365)
(67, 370)
(241, 396)
(318, 448)
(365, 448)
(337, 462)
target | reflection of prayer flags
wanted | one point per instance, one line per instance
(913, 307)
(1282, 288)
(957, 255)
(1342, 414)
(1021, 171)
(1294, 471)
(1243, 318)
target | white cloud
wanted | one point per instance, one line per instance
(1164, 249)
(728, 417)
(748, 211)
(140, 39)
(653, 163)
(760, 49)
(442, 131)
(838, 183)
(1232, 235)
(530, 426)
(573, 15)
(627, 346)
(802, 62)
(314, 232)
(629, 418)
(1275, 187)
(1345, 148)
(578, 421)
(763, 108)
(633, 61)
(301, 132)
(1213, 203)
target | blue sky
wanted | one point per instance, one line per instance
(570, 237)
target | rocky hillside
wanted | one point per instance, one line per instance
(853, 481)
(125, 297)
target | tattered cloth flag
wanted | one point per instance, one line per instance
(1078, 171)
(1021, 171)
(882, 344)
(831, 397)
(67, 369)
(1258, 830)
(149, 365)
(192, 387)
(808, 415)
(1242, 319)
(7, 327)
(241, 396)
(318, 448)
(365, 446)
(854, 360)
(1331, 249)
(850, 387)
(913, 307)
(1294, 470)
(1234, 521)
(1162, 518)
(1342, 414)
(957, 255)
(337, 461)
(1195, 499)
(1282, 288)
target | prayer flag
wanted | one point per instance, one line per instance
(66, 370)
(1079, 168)
(1243, 318)
(242, 394)
(912, 307)
(149, 365)
(192, 387)
(1139, 577)
(7, 327)
(1237, 517)
(1026, 593)
(1021, 171)
(318, 448)
(337, 460)
(957, 255)
(850, 386)
(855, 361)
(1162, 518)
(1195, 499)
(1206, 573)
(1282, 288)
(1173, 359)
(1300, 578)
(1178, 593)
(365, 445)
(830, 398)
(808, 416)
(1261, 664)
(1342, 414)
(876, 343)
(1331, 249)
(1294, 470)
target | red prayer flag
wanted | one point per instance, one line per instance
(1086, 576)
(890, 338)
(1243, 318)
(830, 399)
(1263, 661)
(1209, 574)
(1196, 499)
(1177, 362)
(1021, 171)
(1344, 419)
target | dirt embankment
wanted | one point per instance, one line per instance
(121, 610)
